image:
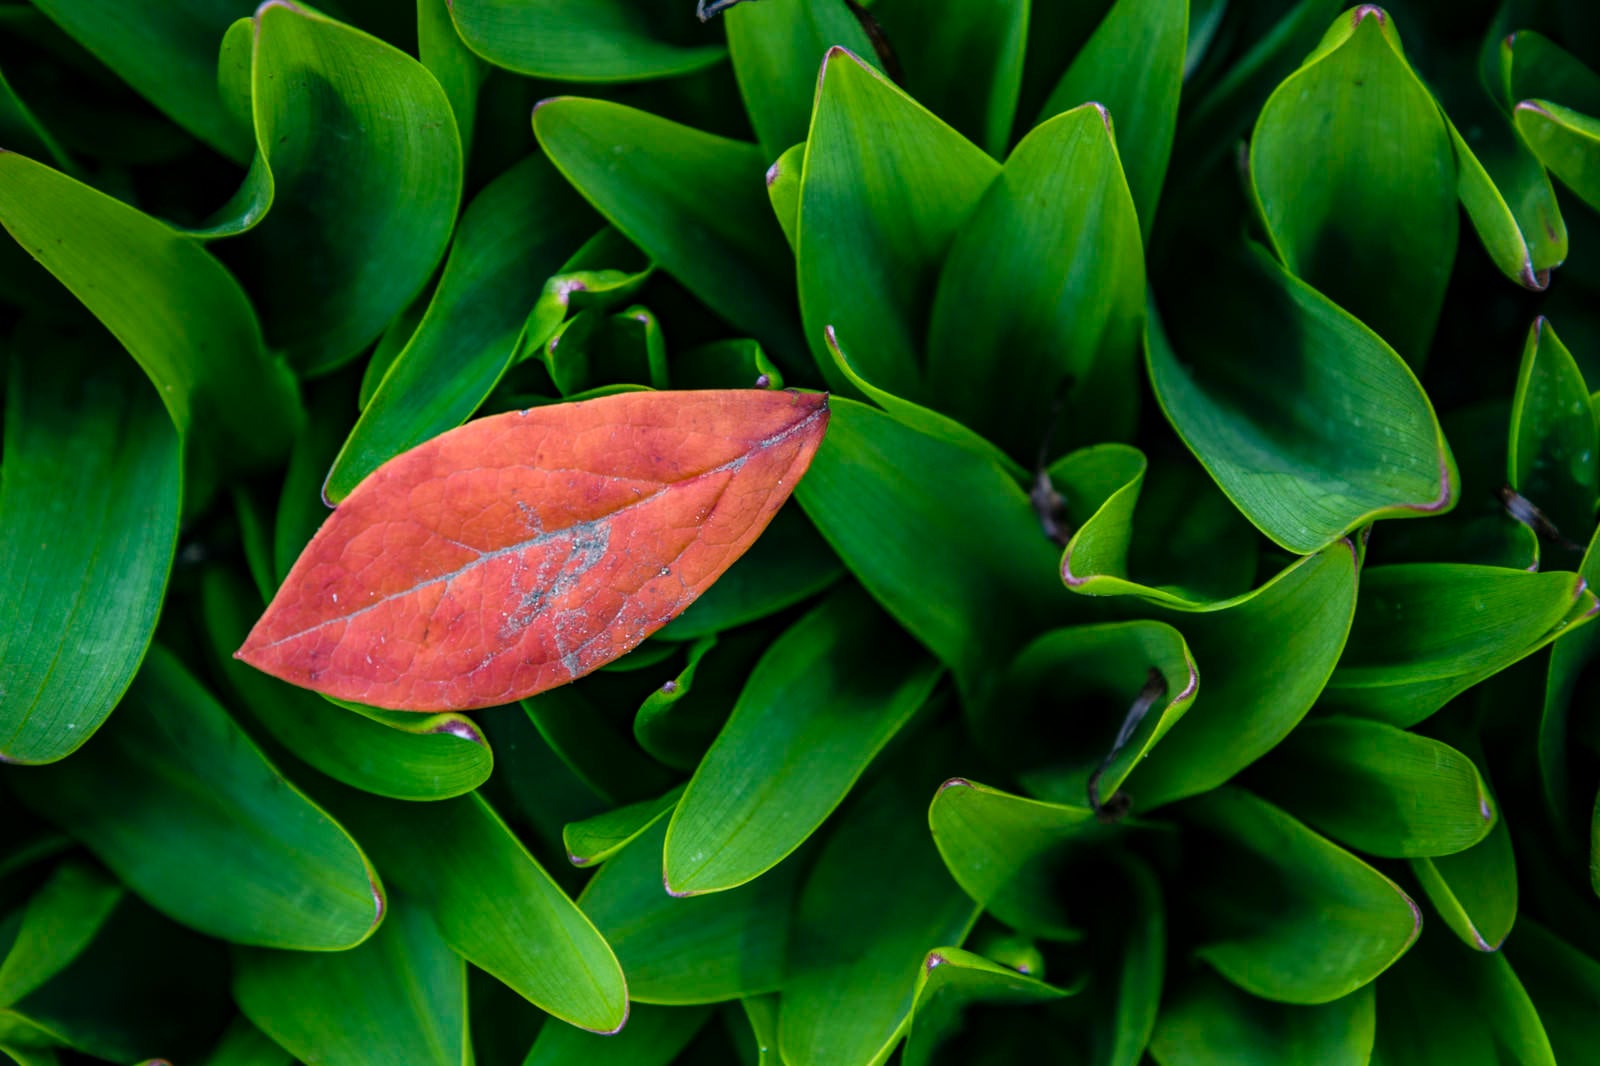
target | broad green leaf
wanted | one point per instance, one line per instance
(1564, 985)
(399, 997)
(681, 951)
(1212, 1023)
(185, 810)
(777, 47)
(515, 233)
(962, 61)
(1530, 64)
(953, 979)
(886, 187)
(493, 903)
(1359, 440)
(939, 535)
(458, 70)
(1567, 142)
(1287, 915)
(1038, 308)
(580, 40)
(177, 310)
(1133, 67)
(1446, 1004)
(1141, 971)
(694, 202)
(654, 1036)
(1001, 849)
(762, 1014)
(596, 839)
(1425, 632)
(1377, 185)
(57, 923)
(360, 148)
(730, 364)
(1474, 891)
(1378, 789)
(1079, 684)
(245, 1045)
(89, 507)
(1553, 459)
(1249, 702)
(819, 706)
(168, 53)
(410, 757)
(1568, 659)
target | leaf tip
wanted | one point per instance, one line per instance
(666, 883)
(954, 782)
(763, 382)
(627, 1008)
(1533, 280)
(459, 727)
(773, 172)
(579, 861)
(1534, 106)
(933, 961)
(668, 687)
(1105, 116)
(1366, 11)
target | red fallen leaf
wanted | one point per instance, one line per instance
(524, 550)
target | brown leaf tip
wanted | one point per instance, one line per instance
(763, 382)
(669, 687)
(1369, 10)
(772, 174)
(955, 782)
(934, 961)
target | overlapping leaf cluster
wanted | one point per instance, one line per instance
(1092, 704)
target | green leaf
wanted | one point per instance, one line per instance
(677, 722)
(784, 180)
(1567, 142)
(517, 232)
(1365, 212)
(177, 310)
(654, 1037)
(940, 536)
(819, 706)
(1474, 891)
(574, 722)
(1212, 1023)
(1564, 985)
(963, 61)
(1287, 915)
(360, 148)
(402, 756)
(245, 1045)
(694, 202)
(1133, 67)
(1379, 789)
(1568, 658)
(53, 928)
(399, 997)
(777, 47)
(185, 810)
(596, 839)
(1425, 632)
(89, 506)
(493, 903)
(301, 508)
(1049, 272)
(1359, 440)
(886, 188)
(953, 979)
(579, 40)
(1554, 455)
(168, 53)
(458, 70)
(696, 950)
(1001, 850)
(22, 129)
(876, 901)
(1249, 703)
(730, 364)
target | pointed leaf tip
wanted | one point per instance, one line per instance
(1364, 11)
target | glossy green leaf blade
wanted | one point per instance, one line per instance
(177, 310)
(168, 53)
(53, 928)
(1038, 308)
(1289, 916)
(886, 187)
(1359, 440)
(1427, 631)
(876, 901)
(819, 706)
(695, 203)
(1248, 703)
(1564, 985)
(1553, 459)
(1378, 789)
(399, 997)
(596, 839)
(939, 535)
(777, 47)
(578, 40)
(1567, 142)
(459, 71)
(361, 147)
(1474, 891)
(1366, 211)
(654, 1036)
(696, 950)
(784, 178)
(185, 810)
(493, 903)
(410, 756)
(518, 231)
(1133, 66)
(1212, 1023)
(1568, 659)
(951, 980)
(89, 506)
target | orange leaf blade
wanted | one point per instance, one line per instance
(521, 551)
